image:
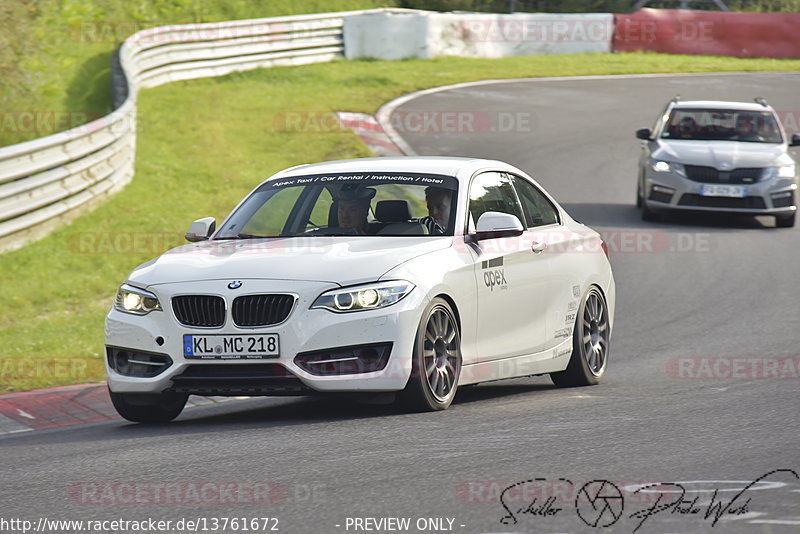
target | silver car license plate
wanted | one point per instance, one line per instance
(714, 190)
(231, 347)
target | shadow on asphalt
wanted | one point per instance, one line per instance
(277, 412)
(327, 409)
(628, 216)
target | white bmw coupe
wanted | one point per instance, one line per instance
(404, 275)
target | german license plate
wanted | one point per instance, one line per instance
(713, 190)
(231, 347)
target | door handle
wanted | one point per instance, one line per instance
(538, 248)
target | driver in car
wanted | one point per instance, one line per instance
(746, 130)
(354, 207)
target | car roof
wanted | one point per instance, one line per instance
(448, 166)
(722, 104)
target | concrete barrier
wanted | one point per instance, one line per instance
(773, 35)
(427, 34)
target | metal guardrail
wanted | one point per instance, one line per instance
(49, 181)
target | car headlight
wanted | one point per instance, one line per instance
(784, 171)
(137, 301)
(365, 297)
(666, 166)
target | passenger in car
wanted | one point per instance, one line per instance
(438, 201)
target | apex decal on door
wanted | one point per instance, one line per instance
(495, 278)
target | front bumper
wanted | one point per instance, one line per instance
(305, 330)
(670, 191)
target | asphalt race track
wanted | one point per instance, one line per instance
(689, 289)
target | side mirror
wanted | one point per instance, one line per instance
(201, 229)
(644, 133)
(795, 140)
(493, 224)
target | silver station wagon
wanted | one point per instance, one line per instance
(718, 156)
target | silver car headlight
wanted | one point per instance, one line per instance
(784, 171)
(137, 301)
(364, 297)
(668, 166)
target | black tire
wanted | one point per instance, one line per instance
(638, 194)
(590, 343)
(157, 408)
(436, 361)
(648, 214)
(785, 221)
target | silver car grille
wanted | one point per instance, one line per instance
(710, 175)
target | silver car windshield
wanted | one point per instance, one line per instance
(722, 125)
(354, 204)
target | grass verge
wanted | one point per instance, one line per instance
(204, 144)
(55, 54)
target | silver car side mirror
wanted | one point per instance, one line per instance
(201, 229)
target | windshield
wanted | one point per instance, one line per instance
(722, 125)
(354, 204)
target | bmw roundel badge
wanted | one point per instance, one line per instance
(235, 285)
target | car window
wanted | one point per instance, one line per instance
(321, 210)
(344, 204)
(414, 197)
(660, 120)
(270, 219)
(722, 125)
(539, 211)
(493, 191)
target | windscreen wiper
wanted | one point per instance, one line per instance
(245, 235)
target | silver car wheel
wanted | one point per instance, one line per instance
(440, 353)
(594, 341)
